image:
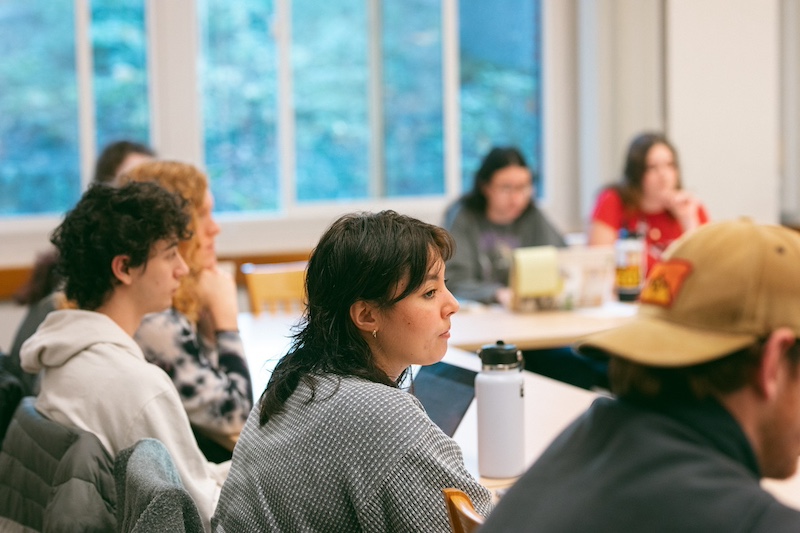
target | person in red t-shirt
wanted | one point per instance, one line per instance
(649, 199)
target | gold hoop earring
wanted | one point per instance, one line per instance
(374, 333)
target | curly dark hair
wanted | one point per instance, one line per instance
(361, 257)
(108, 222)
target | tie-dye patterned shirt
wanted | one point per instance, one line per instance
(211, 374)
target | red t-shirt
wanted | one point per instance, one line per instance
(662, 228)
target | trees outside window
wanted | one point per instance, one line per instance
(303, 102)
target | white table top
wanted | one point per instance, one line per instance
(474, 326)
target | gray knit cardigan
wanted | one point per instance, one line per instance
(360, 456)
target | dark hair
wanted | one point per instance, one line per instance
(695, 383)
(361, 257)
(43, 279)
(112, 157)
(498, 158)
(108, 222)
(630, 189)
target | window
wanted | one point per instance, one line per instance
(303, 103)
(120, 71)
(330, 77)
(354, 92)
(500, 81)
(40, 106)
(238, 72)
(39, 154)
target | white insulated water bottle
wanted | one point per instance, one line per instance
(500, 396)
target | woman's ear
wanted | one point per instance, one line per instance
(120, 267)
(365, 316)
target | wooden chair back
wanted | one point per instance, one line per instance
(462, 514)
(277, 286)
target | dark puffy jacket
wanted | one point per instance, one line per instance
(11, 392)
(54, 478)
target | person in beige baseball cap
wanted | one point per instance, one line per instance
(707, 386)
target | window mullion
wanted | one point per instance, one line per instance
(176, 117)
(287, 159)
(451, 98)
(87, 128)
(377, 145)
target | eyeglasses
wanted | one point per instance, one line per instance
(513, 189)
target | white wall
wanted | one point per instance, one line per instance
(560, 114)
(707, 72)
(620, 89)
(723, 104)
(790, 110)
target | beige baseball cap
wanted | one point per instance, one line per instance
(715, 291)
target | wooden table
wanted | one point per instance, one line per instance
(475, 326)
(267, 337)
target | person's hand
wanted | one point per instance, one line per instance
(217, 292)
(685, 208)
(504, 296)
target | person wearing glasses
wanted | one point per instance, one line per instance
(498, 215)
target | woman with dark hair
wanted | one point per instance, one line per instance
(119, 157)
(334, 443)
(649, 199)
(489, 222)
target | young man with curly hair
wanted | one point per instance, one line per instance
(118, 251)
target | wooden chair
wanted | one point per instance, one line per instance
(277, 286)
(462, 514)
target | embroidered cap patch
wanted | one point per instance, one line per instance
(664, 282)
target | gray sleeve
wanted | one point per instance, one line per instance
(411, 498)
(552, 235)
(464, 273)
